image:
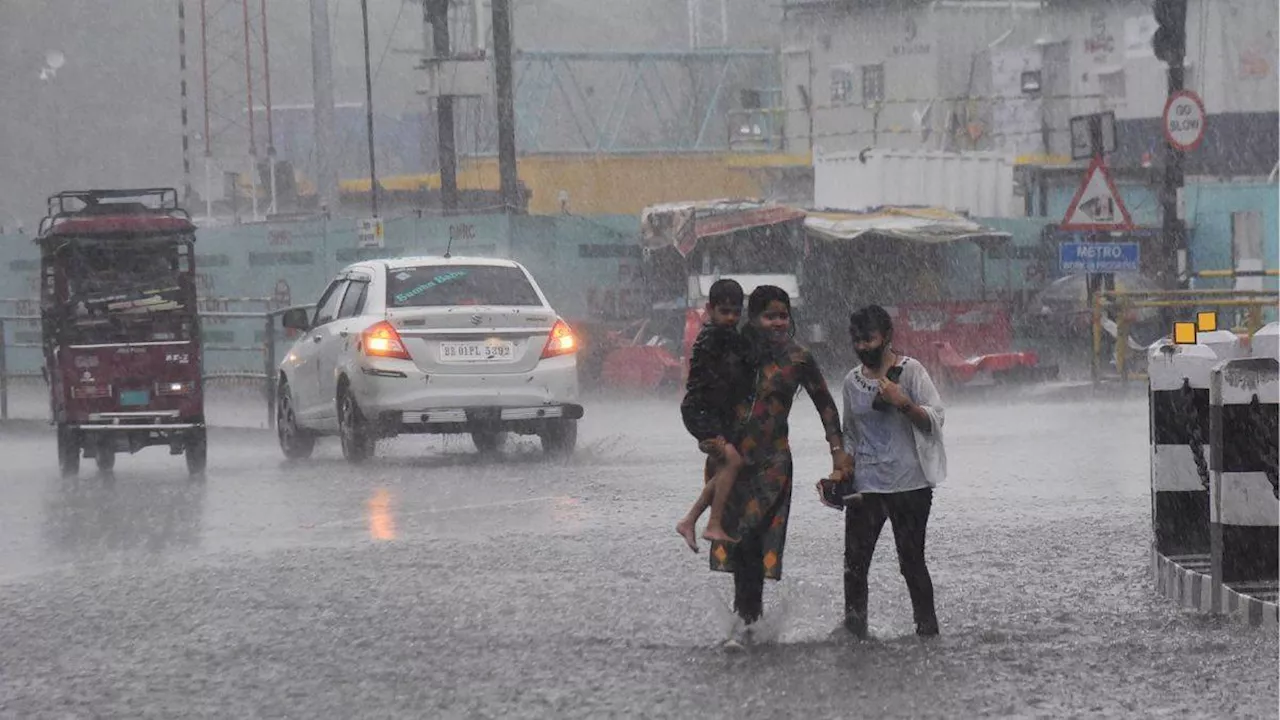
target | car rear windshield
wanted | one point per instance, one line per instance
(444, 285)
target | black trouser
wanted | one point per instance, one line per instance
(908, 512)
(748, 578)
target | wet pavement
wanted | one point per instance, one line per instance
(438, 583)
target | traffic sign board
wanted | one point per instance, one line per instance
(1097, 204)
(1099, 257)
(370, 233)
(1093, 135)
(1184, 120)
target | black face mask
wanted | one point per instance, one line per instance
(871, 357)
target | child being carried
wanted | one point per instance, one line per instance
(720, 377)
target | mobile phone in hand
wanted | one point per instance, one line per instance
(834, 492)
(878, 403)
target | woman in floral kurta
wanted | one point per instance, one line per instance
(757, 510)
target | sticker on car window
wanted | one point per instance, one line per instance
(407, 295)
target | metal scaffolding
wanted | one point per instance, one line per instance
(236, 92)
(708, 23)
(620, 102)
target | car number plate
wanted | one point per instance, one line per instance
(134, 398)
(470, 352)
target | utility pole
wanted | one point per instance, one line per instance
(1170, 45)
(182, 71)
(326, 177)
(436, 14)
(502, 72)
(368, 112)
(271, 137)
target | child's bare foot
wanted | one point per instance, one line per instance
(687, 530)
(715, 533)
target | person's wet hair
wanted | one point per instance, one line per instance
(725, 292)
(763, 295)
(869, 319)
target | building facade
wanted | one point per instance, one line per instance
(985, 75)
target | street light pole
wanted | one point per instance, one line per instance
(368, 104)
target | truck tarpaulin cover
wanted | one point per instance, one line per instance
(914, 224)
(681, 225)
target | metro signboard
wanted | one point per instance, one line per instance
(1099, 257)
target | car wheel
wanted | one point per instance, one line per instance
(560, 438)
(488, 441)
(295, 442)
(197, 452)
(357, 442)
(68, 451)
(105, 456)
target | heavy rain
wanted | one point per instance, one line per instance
(663, 358)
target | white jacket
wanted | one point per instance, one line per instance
(919, 387)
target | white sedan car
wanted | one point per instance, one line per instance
(428, 345)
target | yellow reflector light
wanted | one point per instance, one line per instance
(1207, 321)
(1184, 333)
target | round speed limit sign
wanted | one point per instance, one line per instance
(1184, 120)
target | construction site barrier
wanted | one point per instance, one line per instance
(1124, 304)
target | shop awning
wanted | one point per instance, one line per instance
(681, 225)
(913, 224)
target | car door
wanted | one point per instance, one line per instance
(306, 383)
(337, 341)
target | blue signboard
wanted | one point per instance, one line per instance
(1098, 257)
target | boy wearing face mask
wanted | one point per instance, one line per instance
(893, 419)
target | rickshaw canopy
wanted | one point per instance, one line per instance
(681, 225)
(114, 213)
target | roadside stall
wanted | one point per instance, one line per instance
(687, 247)
(899, 257)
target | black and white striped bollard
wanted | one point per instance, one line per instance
(1179, 406)
(1244, 498)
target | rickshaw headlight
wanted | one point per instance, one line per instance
(173, 388)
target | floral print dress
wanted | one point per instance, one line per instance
(761, 499)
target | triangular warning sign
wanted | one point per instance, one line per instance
(1097, 204)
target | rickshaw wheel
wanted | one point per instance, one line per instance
(487, 441)
(105, 456)
(68, 451)
(197, 452)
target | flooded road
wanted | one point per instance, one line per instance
(438, 583)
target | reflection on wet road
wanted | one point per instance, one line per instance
(437, 583)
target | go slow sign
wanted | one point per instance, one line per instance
(1184, 120)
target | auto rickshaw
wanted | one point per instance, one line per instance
(121, 333)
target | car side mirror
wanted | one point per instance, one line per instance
(295, 319)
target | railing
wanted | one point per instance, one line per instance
(267, 348)
(1253, 302)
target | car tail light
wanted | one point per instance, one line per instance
(173, 388)
(382, 340)
(562, 341)
(88, 392)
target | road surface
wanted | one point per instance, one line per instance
(437, 583)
